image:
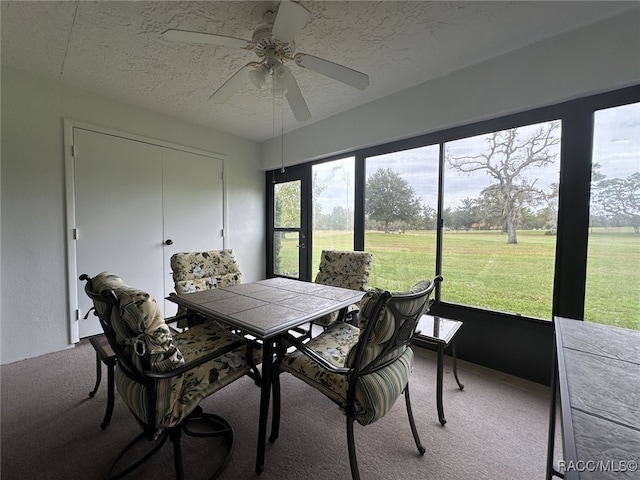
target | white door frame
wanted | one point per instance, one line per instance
(72, 264)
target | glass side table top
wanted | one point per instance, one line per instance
(438, 329)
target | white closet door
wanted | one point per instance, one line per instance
(131, 197)
(118, 186)
(193, 207)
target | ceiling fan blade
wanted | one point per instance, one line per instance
(296, 101)
(211, 38)
(329, 69)
(229, 87)
(291, 18)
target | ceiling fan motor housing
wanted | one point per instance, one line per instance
(266, 44)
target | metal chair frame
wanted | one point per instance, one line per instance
(149, 378)
(404, 331)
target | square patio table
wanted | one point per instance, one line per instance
(267, 309)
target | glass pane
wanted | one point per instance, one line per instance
(500, 218)
(287, 204)
(285, 254)
(613, 256)
(333, 204)
(401, 200)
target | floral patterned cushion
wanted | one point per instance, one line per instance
(344, 269)
(146, 339)
(376, 393)
(178, 396)
(194, 271)
(333, 345)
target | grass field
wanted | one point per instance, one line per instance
(481, 270)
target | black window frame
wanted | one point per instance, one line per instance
(577, 117)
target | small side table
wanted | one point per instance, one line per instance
(440, 332)
(104, 354)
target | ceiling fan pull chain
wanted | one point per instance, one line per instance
(282, 131)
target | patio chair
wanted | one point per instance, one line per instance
(162, 376)
(195, 271)
(346, 269)
(365, 369)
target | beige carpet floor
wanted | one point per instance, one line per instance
(496, 427)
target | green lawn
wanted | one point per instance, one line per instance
(481, 270)
(613, 278)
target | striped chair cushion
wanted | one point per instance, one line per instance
(385, 323)
(139, 325)
(178, 396)
(375, 393)
(145, 339)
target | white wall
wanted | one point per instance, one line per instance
(589, 60)
(34, 316)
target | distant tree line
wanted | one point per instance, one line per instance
(615, 202)
(511, 202)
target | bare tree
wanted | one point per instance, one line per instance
(505, 161)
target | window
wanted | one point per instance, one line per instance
(333, 207)
(482, 203)
(613, 258)
(500, 219)
(401, 202)
(506, 270)
(286, 235)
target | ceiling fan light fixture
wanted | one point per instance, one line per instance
(258, 77)
(281, 77)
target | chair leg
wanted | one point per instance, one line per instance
(412, 422)
(455, 364)
(275, 420)
(174, 434)
(275, 389)
(217, 427)
(98, 376)
(254, 374)
(110, 394)
(143, 436)
(351, 444)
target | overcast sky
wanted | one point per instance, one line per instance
(616, 149)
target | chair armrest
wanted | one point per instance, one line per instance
(193, 318)
(206, 358)
(303, 348)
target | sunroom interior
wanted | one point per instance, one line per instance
(562, 78)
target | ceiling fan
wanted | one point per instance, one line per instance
(273, 42)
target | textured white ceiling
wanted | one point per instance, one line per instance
(115, 49)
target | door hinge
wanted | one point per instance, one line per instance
(73, 151)
(222, 232)
(78, 314)
(75, 233)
